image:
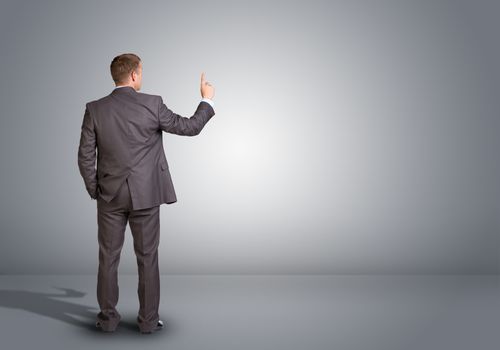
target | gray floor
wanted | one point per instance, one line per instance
(260, 312)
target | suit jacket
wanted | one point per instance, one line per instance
(126, 129)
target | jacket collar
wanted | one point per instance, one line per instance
(124, 90)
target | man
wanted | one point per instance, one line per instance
(131, 181)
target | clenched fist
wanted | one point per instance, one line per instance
(207, 90)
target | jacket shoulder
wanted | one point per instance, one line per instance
(149, 97)
(91, 103)
(147, 94)
(140, 96)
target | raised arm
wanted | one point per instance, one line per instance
(176, 124)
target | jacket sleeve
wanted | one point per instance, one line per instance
(87, 154)
(175, 124)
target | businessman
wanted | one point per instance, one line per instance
(131, 181)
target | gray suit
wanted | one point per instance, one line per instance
(132, 179)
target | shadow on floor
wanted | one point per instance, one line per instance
(44, 304)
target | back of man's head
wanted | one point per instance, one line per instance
(122, 66)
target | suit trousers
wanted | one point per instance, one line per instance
(144, 224)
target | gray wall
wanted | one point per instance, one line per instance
(349, 137)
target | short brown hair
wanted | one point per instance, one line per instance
(122, 65)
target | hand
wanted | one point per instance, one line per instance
(207, 90)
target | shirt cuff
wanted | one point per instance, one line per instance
(209, 101)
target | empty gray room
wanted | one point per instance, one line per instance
(345, 195)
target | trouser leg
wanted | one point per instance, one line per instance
(112, 221)
(145, 227)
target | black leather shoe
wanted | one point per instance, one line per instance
(159, 326)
